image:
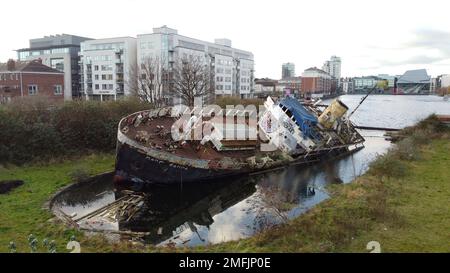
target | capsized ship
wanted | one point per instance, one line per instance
(169, 145)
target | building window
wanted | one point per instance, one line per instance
(107, 87)
(57, 64)
(96, 67)
(58, 89)
(97, 87)
(32, 89)
(107, 67)
(96, 77)
(108, 77)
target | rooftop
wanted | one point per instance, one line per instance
(26, 66)
(415, 76)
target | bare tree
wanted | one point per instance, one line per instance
(149, 80)
(191, 77)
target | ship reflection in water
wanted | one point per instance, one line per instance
(208, 213)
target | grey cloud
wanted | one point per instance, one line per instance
(423, 39)
(420, 59)
(431, 39)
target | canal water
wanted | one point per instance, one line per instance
(233, 209)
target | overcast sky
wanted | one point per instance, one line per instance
(371, 37)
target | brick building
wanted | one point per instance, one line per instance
(294, 84)
(30, 78)
(316, 81)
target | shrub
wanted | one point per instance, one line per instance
(420, 137)
(38, 129)
(387, 165)
(231, 100)
(407, 149)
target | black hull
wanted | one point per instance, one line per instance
(134, 165)
(139, 167)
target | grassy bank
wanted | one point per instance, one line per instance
(21, 211)
(402, 202)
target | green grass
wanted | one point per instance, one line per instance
(21, 211)
(402, 202)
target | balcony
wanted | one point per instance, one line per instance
(120, 90)
(119, 69)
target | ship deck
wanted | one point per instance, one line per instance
(156, 133)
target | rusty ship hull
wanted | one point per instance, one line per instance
(134, 165)
(146, 154)
(140, 167)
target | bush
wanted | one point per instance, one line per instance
(388, 165)
(420, 137)
(229, 100)
(36, 129)
(407, 149)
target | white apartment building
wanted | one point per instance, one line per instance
(333, 67)
(445, 80)
(233, 69)
(106, 66)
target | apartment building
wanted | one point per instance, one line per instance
(59, 52)
(333, 67)
(106, 68)
(232, 69)
(287, 70)
(363, 84)
(316, 82)
(294, 84)
(30, 78)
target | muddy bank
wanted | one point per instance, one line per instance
(8, 185)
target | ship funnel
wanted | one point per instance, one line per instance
(334, 111)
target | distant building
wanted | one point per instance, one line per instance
(287, 70)
(364, 84)
(414, 82)
(347, 85)
(389, 78)
(106, 66)
(333, 67)
(434, 83)
(232, 69)
(265, 87)
(59, 52)
(294, 84)
(315, 82)
(30, 78)
(444, 81)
